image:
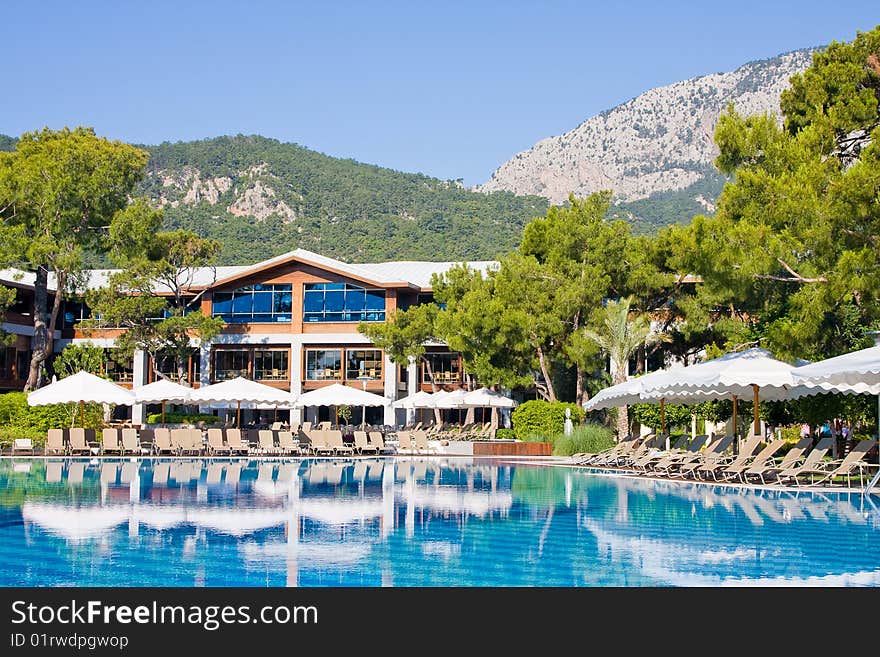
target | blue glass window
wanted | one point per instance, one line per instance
(256, 303)
(342, 302)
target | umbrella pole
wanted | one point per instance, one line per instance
(756, 429)
(82, 413)
(163, 412)
(662, 415)
(238, 415)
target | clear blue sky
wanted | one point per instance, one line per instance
(451, 89)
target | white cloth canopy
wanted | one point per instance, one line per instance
(859, 371)
(622, 394)
(486, 398)
(237, 390)
(337, 394)
(454, 399)
(420, 399)
(733, 374)
(162, 390)
(81, 387)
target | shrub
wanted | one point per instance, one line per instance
(181, 418)
(538, 419)
(505, 433)
(16, 414)
(588, 438)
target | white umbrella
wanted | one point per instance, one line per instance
(752, 372)
(859, 370)
(337, 394)
(486, 398)
(237, 522)
(74, 523)
(454, 399)
(340, 512)
(239, 390)
(161, 391)
(420, 399)
(81, 387)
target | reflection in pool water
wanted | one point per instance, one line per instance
(414, 522)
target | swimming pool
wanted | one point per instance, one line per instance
(414, 522)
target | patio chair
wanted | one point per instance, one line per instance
(652, 444)
(773, 466)
(162, 441)
(79, 443)
(55, 442)
(286, 443)
(609, 455)
(235, 442)
(682, 447)
(759, 460)
(266, 442)
(377, 439)
(180, 440)
(216, 444)
(196, 441)
(716, 463)
(131, 442)
(362, 443)
(318, 442)
(810, 464)
(145, 438)
(846, 466)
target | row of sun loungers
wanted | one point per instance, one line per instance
(757, 461)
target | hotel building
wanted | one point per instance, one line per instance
(290, 322)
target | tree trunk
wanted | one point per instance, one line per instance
(181, 370)
(551, 393)
(430, 371)
(579, 386)
(40, 342)
(622, 411)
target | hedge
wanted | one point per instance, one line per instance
(181, 418)
(539, 418)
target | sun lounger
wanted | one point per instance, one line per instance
(404, 442)
(286, 443)
(131, 442)
(55, 442)
(810, 465)
(162, 441)
(79, 443)
(710, 455)
(714, 464)
(318, 443)
(420, 438)
(235, 442)
(377, 439)
(215, 442)
(846, 466)
(646, 462)
(759, 460)
(772, 466)
(110, 441)
(362, 443)
(334, 440)
(266, 442)
(611, 454)
(22, 446)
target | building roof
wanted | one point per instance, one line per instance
(405, 273)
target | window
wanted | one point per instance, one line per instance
(270, 365)
(118, 372)
(446, 368)
(323, 365)
(166, 365)
(230, 363)
(74, 313)
(254, 303)
(342, 302)
(363, 363)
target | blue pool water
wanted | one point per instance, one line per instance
(414, 522)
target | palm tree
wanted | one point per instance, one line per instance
(620, 336)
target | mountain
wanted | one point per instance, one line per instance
(655, 151)
(261, 197)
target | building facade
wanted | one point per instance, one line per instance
(289, 322)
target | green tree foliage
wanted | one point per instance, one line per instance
(619, 335)
(79, 356)
(404, 335)
(7, 298)
(791, 259)
(539, 419)
(59, 191)
(152, 296)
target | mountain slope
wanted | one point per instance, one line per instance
(660, 142)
